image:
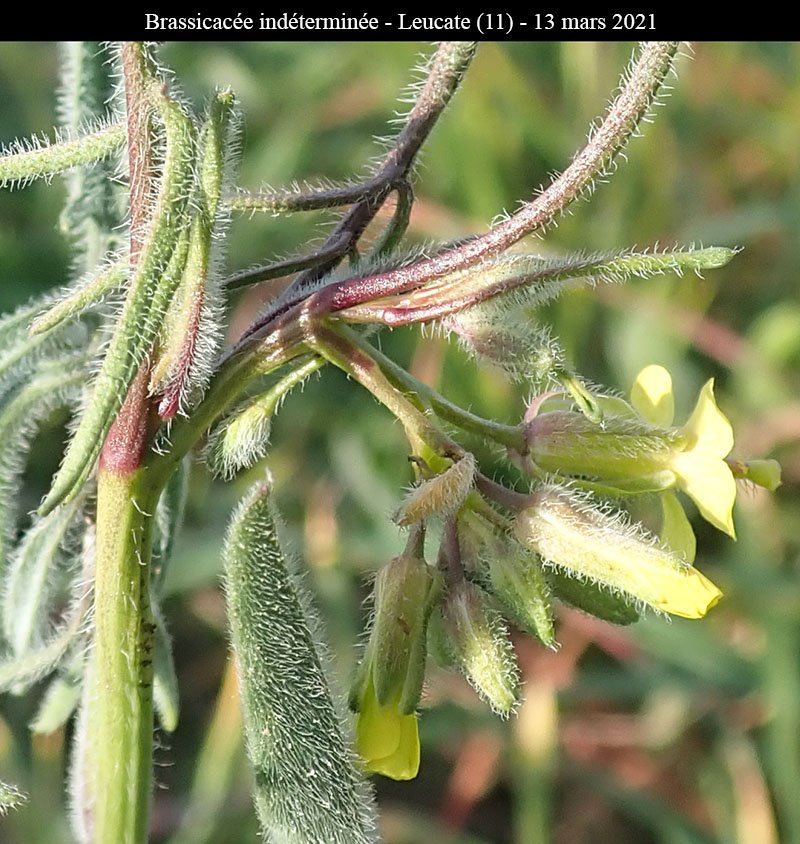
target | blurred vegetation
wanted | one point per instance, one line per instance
(683, 733)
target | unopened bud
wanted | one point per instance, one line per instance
(481, 644)
(441, 495)
(518, 582)
(511, 340)
(618, 450)
(765, 473)
(511, 573)
(395, 656)
(572, 533)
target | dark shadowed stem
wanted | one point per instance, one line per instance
(632, 104)
(279, 269)
(505, 497)
(447, 69)
(449, 561)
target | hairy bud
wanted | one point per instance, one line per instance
(438, 496)
(482, 647)
(573, 534)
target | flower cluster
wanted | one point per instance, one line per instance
(566, 540)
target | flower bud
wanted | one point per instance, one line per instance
(511, 573)
(389, 682)
(397, 641)
(481, 644)
(765, 473)
(571, 533)
(619, 449)
(441, 495)
(511, 340)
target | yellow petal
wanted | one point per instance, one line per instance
(379, 728)
(709, 482)
(403, 764)
(676, 532)
(651, 395)
(689, 594)
(708, 429)
(387, 741)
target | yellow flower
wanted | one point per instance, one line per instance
(697, 460)
(386, 739)
(568, 531)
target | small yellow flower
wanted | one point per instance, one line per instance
(568, 531)
(697, 461)
(386, 739)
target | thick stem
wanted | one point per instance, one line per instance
(120, 673)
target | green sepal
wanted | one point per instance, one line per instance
(592, 599)
(404, 592)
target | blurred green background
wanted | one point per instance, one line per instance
(682, 732)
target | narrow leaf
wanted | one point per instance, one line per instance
(88, 291)
(58, 703)
(31, 583)
(93, 210)
(56, 385)
(165, 680)
(22, 162)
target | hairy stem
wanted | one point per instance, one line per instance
(639, 89)
(348, 356)
(446, 70)
(120, 698)
(510, 436)
(119, 679)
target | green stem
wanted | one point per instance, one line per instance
(228, 383)
(342, 348)
(120, 675)
(510, 436)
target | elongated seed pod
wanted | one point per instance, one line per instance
(193, 324)
(307, 790)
